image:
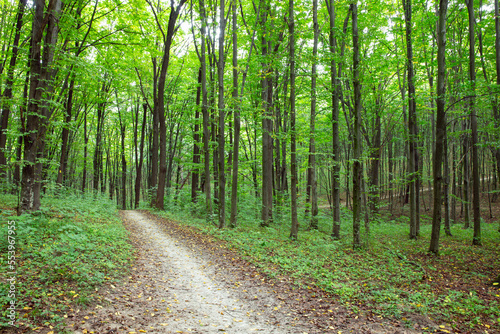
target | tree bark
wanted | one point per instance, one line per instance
(195, 173)
(293, 150)
(7, 93)
(237, 121)
(357, 168)
(222, 115)
(138, 177)
(312, 182)
(440, 127)
(267, 129)
(412, 120)
(204, 111)
(41, 89)
(473, 121)
(496, 110)
(61, 173)
(167, 41)
(154, 141)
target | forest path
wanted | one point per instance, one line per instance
(185, 282)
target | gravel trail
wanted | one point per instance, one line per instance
(183, 281)
(175, 288)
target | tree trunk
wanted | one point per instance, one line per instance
(293, 150)
(124, 168)
(204, 111)
(195, 173)
(237, 121)
(446, 187)
(412, 120)
(7, 93)
(312, 182)
(465, 176)
(63, 162)
(497, 63)
(85, 150)
(473, 121)
(440, 127)
(167, 41)
(357, 169)
(41, 88)
(222, 115)
(154, 145)
(267, 130)
(138, 177)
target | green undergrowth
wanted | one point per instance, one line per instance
(63, 253)
(391, 276)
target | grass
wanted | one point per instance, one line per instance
(63, 252)
(391, 276)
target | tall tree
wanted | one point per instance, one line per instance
(357, 168)
(440, 127)
(236, 115)
(293, 150)
(204, 111)
(172, 28)
(412, 121)
(473, 121)
(7, 93)
(222, 116)
(312, 192)
(44, 35)
(267, 124)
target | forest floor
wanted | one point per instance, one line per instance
(183, 281)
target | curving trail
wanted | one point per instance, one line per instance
(206, 306)
(185, 282)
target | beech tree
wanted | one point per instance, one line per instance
(440, 127)
(41, 88)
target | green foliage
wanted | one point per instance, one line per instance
(63, 252)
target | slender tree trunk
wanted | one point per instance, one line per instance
(204, 111)
(446, 187)
(335, 123)
(195, 173)
(7, 93)
(496, 113)
(267, 130)
(124, 168)
(97, 163)
(154, 142)
(357, 169)
(440, 127)
(390, 167)
(61, 174)
(293, 151)
(85, 150)
(375, 154)
(138, 178)
(473, 120)
(167, 41)
(312, 182)
(222, 115)
(412, 119)
(237, 121)
(41, 89)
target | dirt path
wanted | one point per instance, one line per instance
(183, 282)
